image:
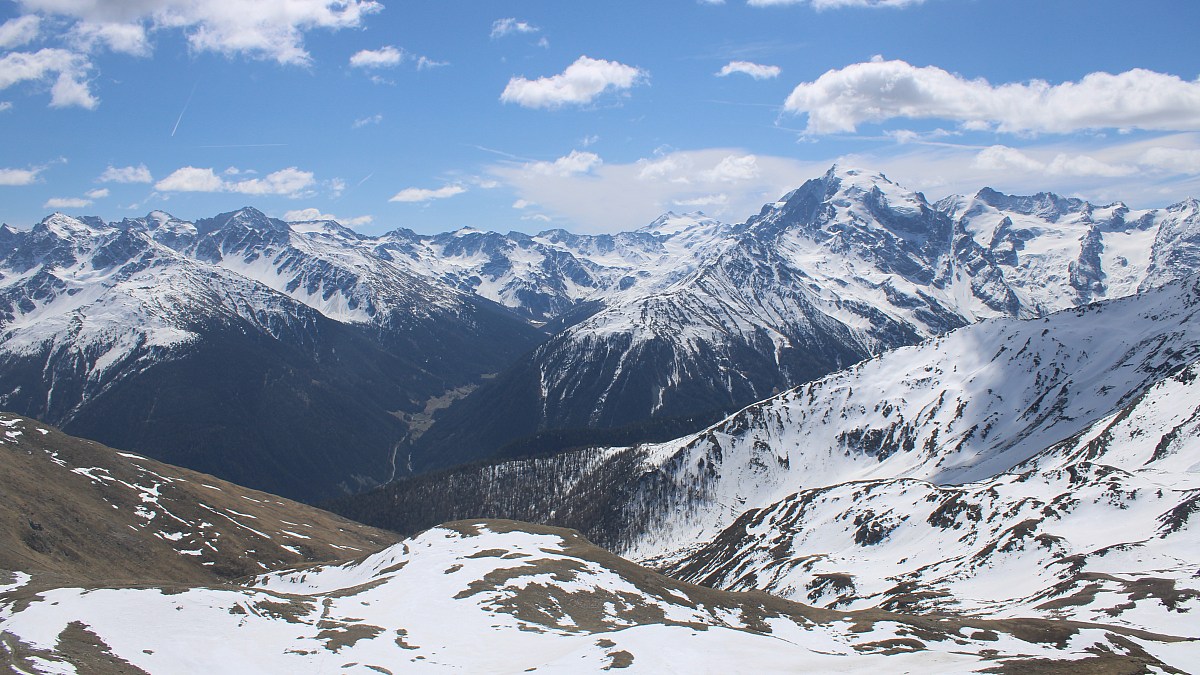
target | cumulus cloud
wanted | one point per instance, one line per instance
(17, 177)
(733, 169)
(840, 100)
(421, 195)
(5, 105)
(1178, 160)
(579, 84)
(502, 27)
(726, 183)
(119, 37)
(290, 182)
(98, 193)
(426, 63)
(66, 203)
(269, 29)
(312, 214)
(19, 31)
(191, 179)
(573, 164)
(68, 69)
(755, 70)
(364, 121)
(126, 174)
(672, 167)
(385, 57)
(1001, 157)
(703, 200)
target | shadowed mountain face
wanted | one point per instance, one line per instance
(284, 359)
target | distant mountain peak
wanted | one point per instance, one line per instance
(247, 217)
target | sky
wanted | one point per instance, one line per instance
(589, 116)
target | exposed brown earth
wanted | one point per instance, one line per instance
(75, 511)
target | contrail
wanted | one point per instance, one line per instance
(185, 107)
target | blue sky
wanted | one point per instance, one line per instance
(589, 116)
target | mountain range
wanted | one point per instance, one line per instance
(858, 430)
(247, 347)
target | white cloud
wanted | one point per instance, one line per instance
(70, 87)
(575, 163)
(270, 29)
(579, 84)
(311, 214)
(5, 105)
(13, 177)
(834, 4)
(19, 31)
(734, 169)
(1172, 159)
(522, 204)
(385, 57)
(290, 182)
(755, 70)
(362, 122)
(66, 203)
(611, 197)
(421, 195)
(191, 179)
(703, 200)
(127, 38)
(98, 193)
(126, 174)
(502, 27)
(1001, 158)
(670, 167)
(426, 63)
(840, 100)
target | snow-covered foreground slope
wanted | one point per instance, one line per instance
(503, 597)
(960, 408)
(1098, 527)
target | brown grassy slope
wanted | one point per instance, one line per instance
(80, 512)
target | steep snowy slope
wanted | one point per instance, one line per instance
(1056, 252)
(845, 267)
(236, 345)
(960, 408)
(499, 596)
(77, 511)
(1096, 527)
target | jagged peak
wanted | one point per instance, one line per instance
(69, 227)
(1191, 203)
(1042, 203)
(671, 223)
(247, 217)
